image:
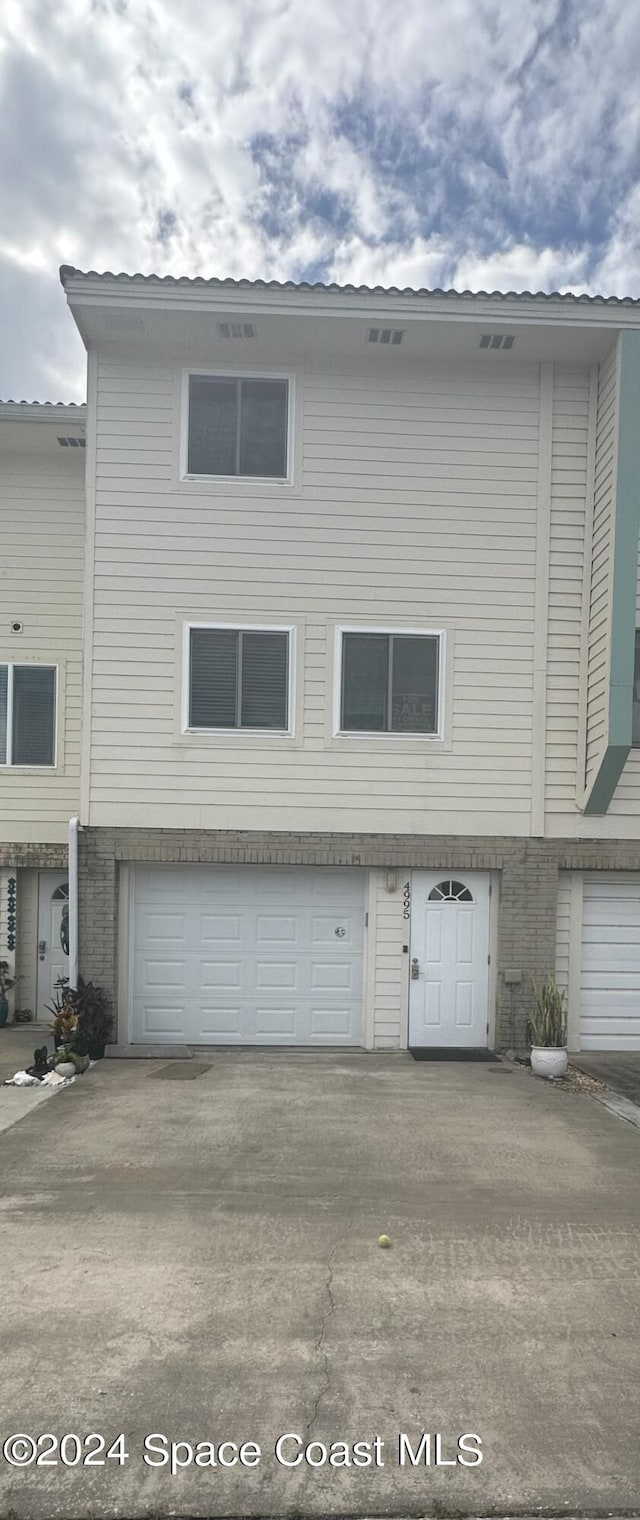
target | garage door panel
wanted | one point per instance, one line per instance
(331, 976)
(276, 1023)
(165, 1023)
(610, 963)
(330, 1024)
(220, 974)
(218, 1023)
(247, 955)
(218, 929)
(276, 974)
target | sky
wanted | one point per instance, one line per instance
(473, 144)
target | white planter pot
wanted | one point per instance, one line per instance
(548, 1060)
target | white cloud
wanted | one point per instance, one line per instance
(485, 143)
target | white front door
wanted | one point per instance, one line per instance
(53, 936)
(449, 986)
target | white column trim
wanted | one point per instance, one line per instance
(541, 613)
(581, 766)
(89, 586)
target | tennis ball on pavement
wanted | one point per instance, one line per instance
(384, 1242)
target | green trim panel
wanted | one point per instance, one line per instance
(624, 571)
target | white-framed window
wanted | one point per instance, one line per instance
(236, 427)
(238, 678)
(28, 701)
(389, 681)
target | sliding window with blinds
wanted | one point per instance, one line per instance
(27, 714)
(238, 678)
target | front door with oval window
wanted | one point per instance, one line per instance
(53, 936)
(449, 984)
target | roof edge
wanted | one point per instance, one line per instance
(68, 274)
(42, 411)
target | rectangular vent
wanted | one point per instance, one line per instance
(391, 335)
(497, 340)
(237, 329)
(72, 443)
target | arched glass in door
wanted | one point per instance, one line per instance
(450, 891)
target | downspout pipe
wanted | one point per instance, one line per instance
(74, 829)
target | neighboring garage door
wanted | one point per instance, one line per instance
(242, 955)
(610, 977)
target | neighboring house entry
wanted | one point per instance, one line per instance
(53, 936)
(449, 984)
(244, 955)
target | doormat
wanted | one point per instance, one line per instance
(444, 1053)
(181, 1071)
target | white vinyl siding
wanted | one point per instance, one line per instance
(601, 563)
(418, 501)
(42, 535)
(569, 485)
(391, 963)
(568, 545)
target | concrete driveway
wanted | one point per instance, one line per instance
(198, 1259)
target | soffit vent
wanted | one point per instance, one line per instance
(72, 443)
(497, 340)
(237, 329)
(387, 335)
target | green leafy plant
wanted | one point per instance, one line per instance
(548, 1018)
(93, 1008)
(81, 1014)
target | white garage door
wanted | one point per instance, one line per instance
(242, 955)
(610, 979)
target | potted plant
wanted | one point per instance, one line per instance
(6, 983)
(95, 1019)
(64, 1022)
(548, 1024)
(64, 1063)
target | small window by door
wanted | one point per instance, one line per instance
(450, 891)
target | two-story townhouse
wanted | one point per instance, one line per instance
(42, 525)
(360, 608)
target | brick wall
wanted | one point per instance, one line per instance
(41, 856)
(528, 886)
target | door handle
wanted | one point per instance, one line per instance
(42, 948)
(415, 969)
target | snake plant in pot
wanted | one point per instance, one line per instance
(548, 1025)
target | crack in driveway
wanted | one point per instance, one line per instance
(320, 1342)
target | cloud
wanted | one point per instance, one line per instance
(482, 143)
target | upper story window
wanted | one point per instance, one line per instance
(635, 731)
(238, 678)
(390, 683)
(238, 427)
(27, 714)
